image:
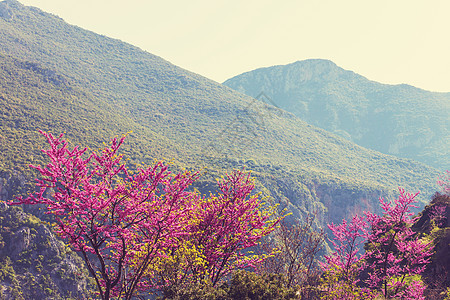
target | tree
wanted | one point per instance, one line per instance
(229, 223)
(343, 266)
(223, 228)
(394, 257)
(297, 246)
(110, 215)
(127, 224)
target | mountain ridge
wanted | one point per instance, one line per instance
(324, 61)
(400, 120)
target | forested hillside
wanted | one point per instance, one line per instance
(60, 78)
(94, 87)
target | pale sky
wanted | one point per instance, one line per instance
(389, 41)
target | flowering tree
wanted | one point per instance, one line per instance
(394, 257)
(110, 215)
(223, 227)
(127, 224)
(229, 223)
(343, 266)
(394, 254)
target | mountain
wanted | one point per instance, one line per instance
(400, 120)
(61, 78)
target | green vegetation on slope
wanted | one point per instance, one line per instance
(60, 77)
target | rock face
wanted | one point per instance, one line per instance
(19, 242)
(11, 183)
(329, 203)
(34, 264)
(434, 221)
(400, 120)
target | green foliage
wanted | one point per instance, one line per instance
(243, 285)
(7, 272)
(334, 287)
(247, 285)
(8, 275)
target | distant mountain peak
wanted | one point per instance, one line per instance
(7, 9)
(315, 61)
(302, 71)
(317, 67)
(398, 119)
(312, 63)
(12, 3)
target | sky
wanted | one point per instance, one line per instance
(400, 41)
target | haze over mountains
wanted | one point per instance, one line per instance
(399, 120)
